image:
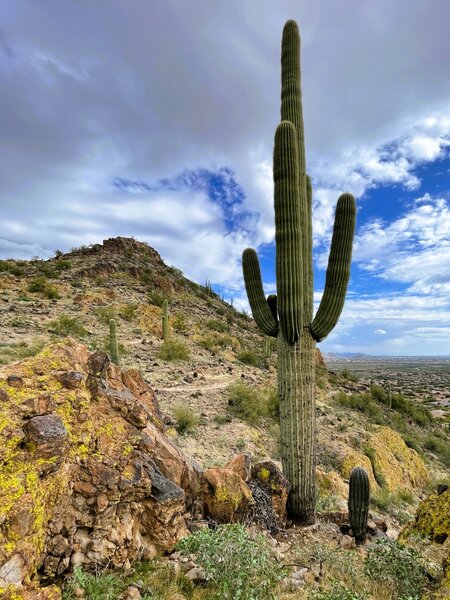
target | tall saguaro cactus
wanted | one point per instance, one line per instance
(289, 315)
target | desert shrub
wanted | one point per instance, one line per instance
(174, 350)
(379, 394)
(337, 591)
(128, 311)
(12, 352)
(215, 341)
(247, 402)
(105, 314)
(362, 402)
(438, 447)
(102, 586)
(273, 402)
(40, 285)
(234, 563)
(398, 568)
(250, 357)
(222, 419)
(179, 323)
(346, 374)
(217, 325)
(156, 298)
(65, 325)
(186, 419)
(327, 502)
(62, 265)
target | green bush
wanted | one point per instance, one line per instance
(12, 352)
(103, 586)
(40, 285)
(174, 350)
(362, 402)
(238, 566)
(186, 419)
(156, 298)
(346, 374)
(216, 325)
(65, 325)
(215, 341)
(398, 567)
(179, 323)
(128, 312)
(105, 314)
(250, 357)
(247, 402)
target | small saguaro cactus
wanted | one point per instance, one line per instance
(113, 345)
(358, 503)
(288, 315)
(165, 322)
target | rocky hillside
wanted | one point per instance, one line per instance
(206, 396)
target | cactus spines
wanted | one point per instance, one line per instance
(165, 321)
(113, 345)
(358, 503)
(288, 316)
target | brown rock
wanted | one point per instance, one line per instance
(97, 363)
(71, 379)
(15, 381)
(47, 434)
(3, 395)
(226, 496)
(37, 406)
(173, 464)
(21, 517)
(242, 465)
(58, 546)
(347, 542)
(131, 593)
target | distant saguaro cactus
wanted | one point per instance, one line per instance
(113, 345)
(358, 503)
(288, 316)
(165, 322)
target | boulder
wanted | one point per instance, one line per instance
(227, 498)
(88, 476)
(242, 465)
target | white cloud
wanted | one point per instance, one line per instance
(380, 332)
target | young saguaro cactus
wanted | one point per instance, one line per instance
(113, 345)
(289, 315)
(358, 503)
(165, 321)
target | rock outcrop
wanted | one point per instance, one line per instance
(433, 522)
(88, 476)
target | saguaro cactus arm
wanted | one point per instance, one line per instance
(255, 293)
(338, 270)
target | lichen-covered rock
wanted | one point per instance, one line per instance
(433, 521)
(227, 498)
(433, 518)
(392, 463)
(399, 465)
(331, 483)
(88, 477)
(351, 458)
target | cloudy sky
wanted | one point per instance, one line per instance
(155, 118)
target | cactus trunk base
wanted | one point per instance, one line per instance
(297, 393)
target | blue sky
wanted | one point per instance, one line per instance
(144, 119)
